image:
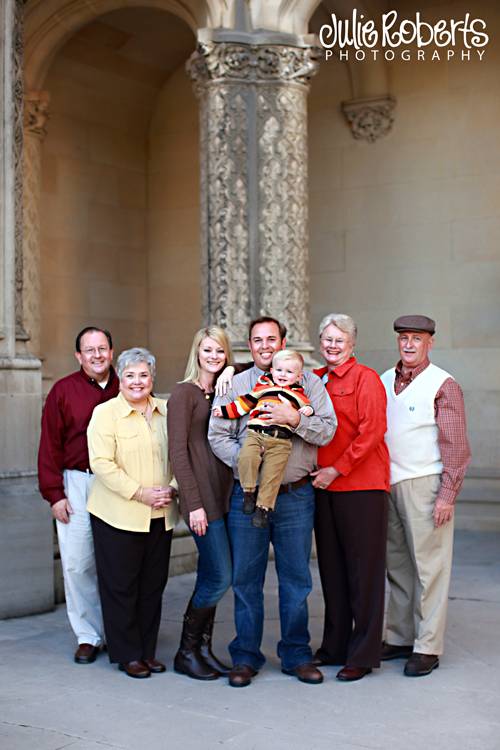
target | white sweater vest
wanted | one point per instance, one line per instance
(412, 433)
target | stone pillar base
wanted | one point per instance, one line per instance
(26, 550)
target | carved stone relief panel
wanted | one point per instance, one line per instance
(283, 235)
(35, 120)
(254, 182)
(18, 112)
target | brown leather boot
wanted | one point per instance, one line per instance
(206, 646)
(188, 659)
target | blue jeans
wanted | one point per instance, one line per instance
(290, 532)
(214, 565)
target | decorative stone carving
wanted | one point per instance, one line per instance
(35, 120)
(370, 119)
(36, 113)
(283, 233)
(252, 63)
(18, 91)
(254, 183)
(225, 212)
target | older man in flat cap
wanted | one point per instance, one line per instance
(429, 452)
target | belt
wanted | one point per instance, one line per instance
(275, 432)
(293, 485)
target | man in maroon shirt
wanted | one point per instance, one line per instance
(65, 479)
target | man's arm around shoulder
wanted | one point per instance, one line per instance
(319, 428)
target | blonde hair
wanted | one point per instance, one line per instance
(283, 354)
(216, 333)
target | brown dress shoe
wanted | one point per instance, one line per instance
(418, 665)
(154, 665)
(306, 673)
(351, 674)
(86, 653)
(138, 669)
(241, 675)
(395, 652)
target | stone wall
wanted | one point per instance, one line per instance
(93, 209)
(174, 304)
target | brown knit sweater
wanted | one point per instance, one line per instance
(204, 481)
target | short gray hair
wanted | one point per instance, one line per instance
(135, 356)
(343, 322)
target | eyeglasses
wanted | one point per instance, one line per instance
(330, 342)
(95, 350)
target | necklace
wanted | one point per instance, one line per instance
(207, 393)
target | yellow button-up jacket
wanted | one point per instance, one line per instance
(127, 453)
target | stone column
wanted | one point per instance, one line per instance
(253, 133)
(26, 556)
(36, 105)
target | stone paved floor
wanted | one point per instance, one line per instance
(49, 703)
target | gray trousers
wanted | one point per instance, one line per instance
(76, 546)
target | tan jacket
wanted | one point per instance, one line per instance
(125, 454)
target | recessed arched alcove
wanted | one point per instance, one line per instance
(119, 193)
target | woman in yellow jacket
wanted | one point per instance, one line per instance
(132, 513)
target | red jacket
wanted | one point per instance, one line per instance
(358, 450)
(65, 418)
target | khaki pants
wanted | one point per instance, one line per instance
(419, 557)
(273, 459)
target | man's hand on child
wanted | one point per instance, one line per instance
(283, 413)
(217, 411)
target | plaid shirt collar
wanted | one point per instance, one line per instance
(409, 375)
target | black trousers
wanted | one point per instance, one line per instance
(351, 534)
(132, 571)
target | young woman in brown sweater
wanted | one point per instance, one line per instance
(205, 486)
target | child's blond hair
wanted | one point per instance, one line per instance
(283, 354)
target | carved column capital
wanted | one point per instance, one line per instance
(370, 118)
(226, 62)
(36, 113)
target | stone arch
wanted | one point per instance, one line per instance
(92, 171)
(50, 23)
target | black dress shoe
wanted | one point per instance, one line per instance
(395, 652)
(418, 665)
(241, 675)
(138, 669)
(307, 673)
(154, 665)
(86, 653)
(351, 674)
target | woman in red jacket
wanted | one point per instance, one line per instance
(351, 506)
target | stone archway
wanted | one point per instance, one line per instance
(87, 171)
(48, 27)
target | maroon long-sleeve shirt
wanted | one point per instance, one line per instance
(65, 418)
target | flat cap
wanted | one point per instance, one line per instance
(415, 323)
